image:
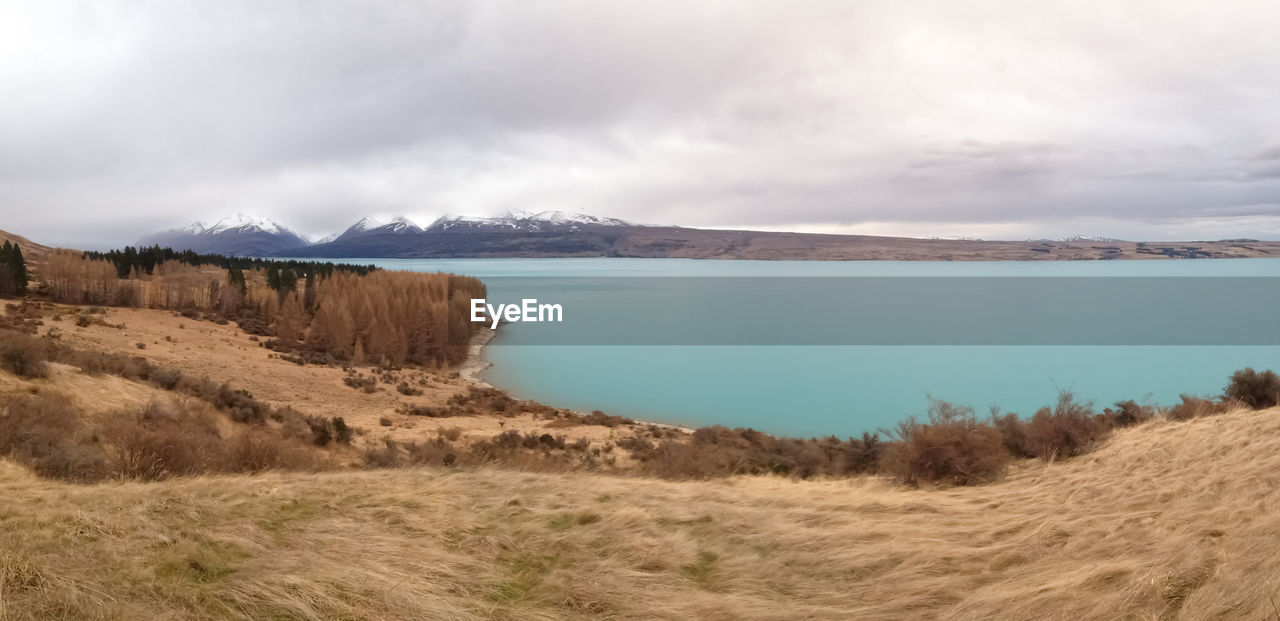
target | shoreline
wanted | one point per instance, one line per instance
(476, 364)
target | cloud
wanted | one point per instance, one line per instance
(1000, 116)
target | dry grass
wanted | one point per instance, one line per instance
(227, 354)
(1166, 520)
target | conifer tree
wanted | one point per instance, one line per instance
(273, 276)
(7, 285)
(18, 270)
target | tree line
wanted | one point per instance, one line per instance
(133, 260)
(324, 312)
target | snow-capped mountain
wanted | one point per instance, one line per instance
(240, 235)
(524, 221)
(372, 226)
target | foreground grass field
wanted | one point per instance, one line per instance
(1167, 520)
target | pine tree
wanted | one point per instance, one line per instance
(18, 270)
(235, 277)
(273, 276)
(7, 285)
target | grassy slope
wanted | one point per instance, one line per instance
(30, 249)
(1166, 520)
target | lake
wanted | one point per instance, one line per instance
(839, 348)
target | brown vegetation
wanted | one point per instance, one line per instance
(387, 318)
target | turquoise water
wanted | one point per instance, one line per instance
(841, 390)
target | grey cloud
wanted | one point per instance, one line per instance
(1013, 116)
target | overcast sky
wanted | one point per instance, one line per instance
(1004, 120)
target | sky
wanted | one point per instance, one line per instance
(995, 119)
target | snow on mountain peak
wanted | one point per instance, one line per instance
(525, 220)
(365, 224)
(246, 222)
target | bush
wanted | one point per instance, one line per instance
(161, 441)
(1193, 407)
(44, 432)
(1256, 390)
(1069, 429)
(23, 355)
(865, 453)
(405, 389)
(952, 449)
(1129, 413)
(1013, 434)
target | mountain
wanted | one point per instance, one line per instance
(371, 226)
(238, 235)
(524, 221)
(564, 234)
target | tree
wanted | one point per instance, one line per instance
(288, 280)
(13, 270)
(273, 276)
(18, 270)
(291, 322)
(235, 277)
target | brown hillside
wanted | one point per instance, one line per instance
(1168, 521)
(30, 249)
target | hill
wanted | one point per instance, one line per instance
(30, 249)
(1166, 521)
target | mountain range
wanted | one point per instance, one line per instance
(564, 234)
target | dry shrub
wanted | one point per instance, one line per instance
(391, 454)
(1013, 434)
(1067, 430)
(1129, 413)
(405, 389)
(23, 355)
(180, 439)
(865, 453)
(953, 448)
(44, 432)
(1256, 390)
(596, 417)
(163, 440)
(718, 451)
(1194, 407)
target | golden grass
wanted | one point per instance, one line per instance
(226, 354)
(1167, 520)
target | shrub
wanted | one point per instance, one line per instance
(44, 432)
(953, 448)
(1129, 413)
(405, 389)
(1193, 407)
(341, 432)
(23, 355)
(1013, 434)
(161, 441)
(1069, 429)
(865, 453)
(1256, 390)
